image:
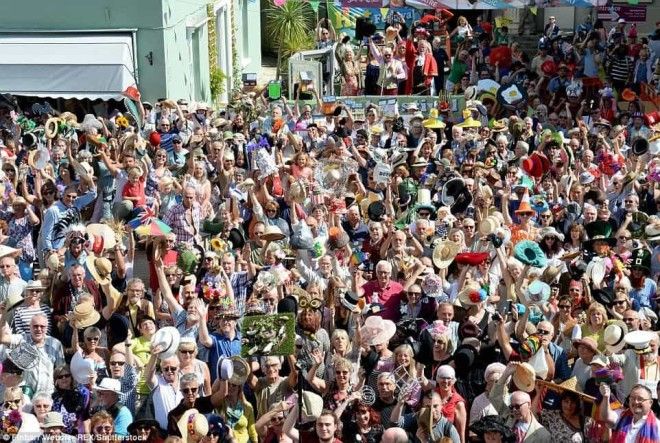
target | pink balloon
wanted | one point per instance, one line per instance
(279, 3)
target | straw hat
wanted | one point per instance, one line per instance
(14, 298)
(85, 315)
(489, 225)
(6, 251)
(433, 122)
(472, 294)
(444, 253)
(567, 385)
(272, 233)
(53, 420)
(192, 425)
(100, 268)
(524, 377)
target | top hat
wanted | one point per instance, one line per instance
(456, 195)
(598, 230)
(640, 259)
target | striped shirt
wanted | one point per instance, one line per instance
(23, 315)
(240, 284)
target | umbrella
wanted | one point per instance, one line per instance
(148, 224)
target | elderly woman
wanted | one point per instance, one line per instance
(333, 392)
(70, 399)
(191, 365)
(32, 305)
(42, 404)
(481, 406)
(28, 425)
(453, 405)
(90, 349)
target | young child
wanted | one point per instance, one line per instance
(134, 189)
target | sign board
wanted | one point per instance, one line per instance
(632, 14)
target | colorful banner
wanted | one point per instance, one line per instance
(361, 3)
(632, 14)
(466, 4)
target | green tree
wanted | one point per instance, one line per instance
(291, 28)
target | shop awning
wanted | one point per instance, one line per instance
(92, 66)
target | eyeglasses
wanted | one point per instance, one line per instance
(170, 369)
(189, 390)
(63, 376)
(517, 407)
(424, 214)
(117, 363)
(468, 226)
(624, 238)
(92, 338)
(547, 216)
(542, 332)
(619, 302)
(639, 399)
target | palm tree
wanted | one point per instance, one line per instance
(289, 26)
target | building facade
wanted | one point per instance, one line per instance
(167, 47)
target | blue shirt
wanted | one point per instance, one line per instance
(55, 213)
(122, 420)
(645, 295)
(222, 347)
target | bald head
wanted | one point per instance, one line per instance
(519, 397)
(394, 435)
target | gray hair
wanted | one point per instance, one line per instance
(43, 396)
(189, 378)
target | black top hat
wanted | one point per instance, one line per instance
(640, 146)
(464, 357)
(376, 211)
(236, 239)
(456, 195)
(599, 230)
(493, 423)
(603, 296)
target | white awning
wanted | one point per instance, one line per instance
(68, 66)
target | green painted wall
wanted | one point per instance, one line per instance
(161, 31)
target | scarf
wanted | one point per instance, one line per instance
(648, 433)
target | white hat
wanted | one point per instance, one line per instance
(109, 384)
(377, 330)
(168, 338)
(53, 420)
(613, 337)
(648, 314)
(639, 340)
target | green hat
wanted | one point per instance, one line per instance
(525, 182)
(228, 135)
(599, 230)
(640, 259)
(187, 261)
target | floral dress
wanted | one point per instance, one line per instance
(559, 428)
(20, 236)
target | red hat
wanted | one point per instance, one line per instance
(444, 107)
(549, 67)
(471, 258)
(536, 164)
(154, 139)
(487, 27)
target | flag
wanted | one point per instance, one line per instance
(133, 93)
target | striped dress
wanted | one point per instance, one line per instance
(23, 315)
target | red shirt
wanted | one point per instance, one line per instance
(389, 297)
(135, 189)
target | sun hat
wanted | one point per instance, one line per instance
(588, 342)
(192, 425)
(550, 231)
(109, 384)
(444, 253)
(53, 420)
(614, 337)
(530, 253)
(241, 371)
(85, 315)
(103, 232)
(34, 284)
(7, 251)
(14, 298)
(524, 377)
(472, 294)
(272, 233)
(377, 330)
(445, 371)
(567, 385)
(100, 268)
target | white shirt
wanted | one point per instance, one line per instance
(631, 436)
(166, 397)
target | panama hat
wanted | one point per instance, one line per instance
(567, 385)
(614, 337)
(34, 284)
(14, 298)
(272, 233)
(538, 292)
(639, 340)
(53, 420)
(100, 268)
(192, 425)
(524, 377)
(550, 274)
(168, 339)
(444, 253)
(377, 330)
(530, 253)
(85, 315)
(312, 406)
(109, 385)
(549, 231)
(489, 225)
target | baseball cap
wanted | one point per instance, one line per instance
(176, 138)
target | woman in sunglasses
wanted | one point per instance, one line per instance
(102, 427)
(70, 399)
(91, 350)
(12, 407)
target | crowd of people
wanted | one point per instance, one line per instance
(482, 276)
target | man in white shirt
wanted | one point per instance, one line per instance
(637, 418)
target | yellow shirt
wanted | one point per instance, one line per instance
(141, 349)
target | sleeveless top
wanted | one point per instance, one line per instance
(449, 408)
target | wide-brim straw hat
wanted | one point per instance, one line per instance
(241, 371)
(444, 253)
(192, 425)
(567, 385)
(272, 233)
(100, 268)
(614, 337)
(85, 315)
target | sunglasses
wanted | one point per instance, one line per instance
(189, 390)
(517, 407)
(92, 338)
(9, 403)
(103, 429)
(187, 351)
(170, 369)
(619, 302)
(542, 332)
(117, 363)
(63, 376)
